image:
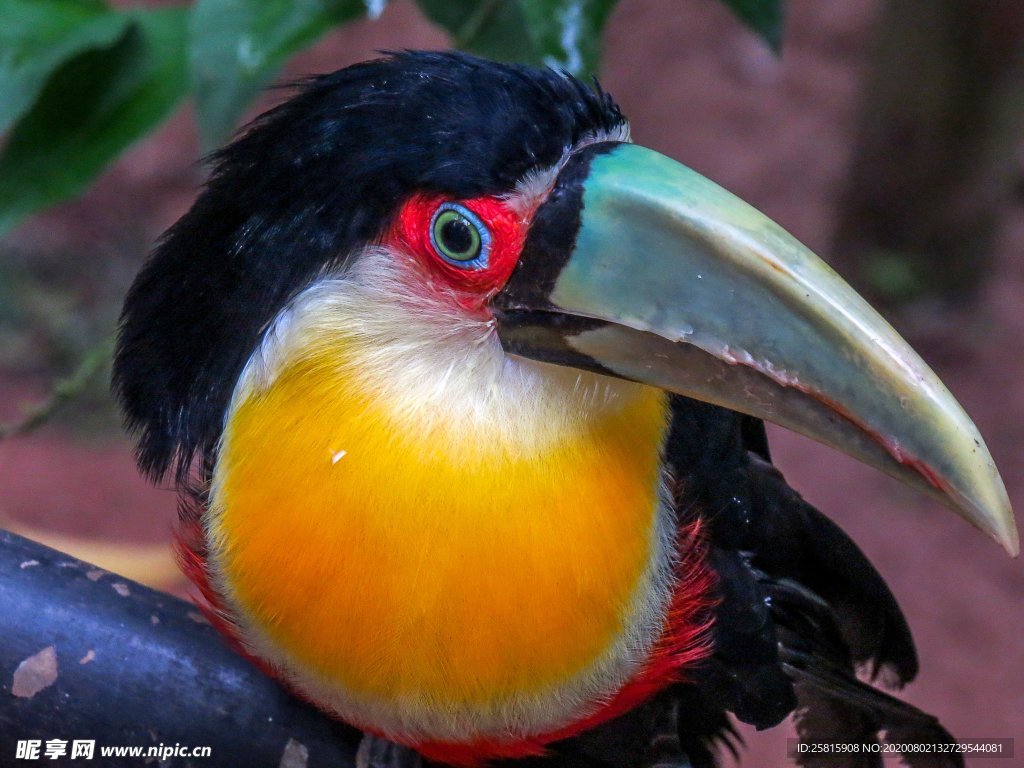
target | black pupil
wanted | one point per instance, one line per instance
(456, 235)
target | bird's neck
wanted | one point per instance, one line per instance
(429, 532)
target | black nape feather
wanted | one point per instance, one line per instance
(301, 189)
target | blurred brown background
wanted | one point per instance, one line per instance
(701, 88)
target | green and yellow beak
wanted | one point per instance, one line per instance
(637, 266)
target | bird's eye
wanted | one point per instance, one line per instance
(459, 237)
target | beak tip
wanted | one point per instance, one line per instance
(1000, 523)
(994, 518)
(1000, 526)
(1009, 539)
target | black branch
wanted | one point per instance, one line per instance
(86, 654)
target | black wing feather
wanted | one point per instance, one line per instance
(801, 607)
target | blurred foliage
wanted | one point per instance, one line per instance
(237, 46)
(55, 305)
(63, 391)
(80, 81)
(564, 34)
(891, 277)
(935, 151)
(767, 18)
(57, 309)
(90, 107)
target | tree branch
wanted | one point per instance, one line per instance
(133, 667)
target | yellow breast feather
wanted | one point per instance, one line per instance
(463, 549)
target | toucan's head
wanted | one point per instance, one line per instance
(502, 207)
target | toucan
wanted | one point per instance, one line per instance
(464, 393)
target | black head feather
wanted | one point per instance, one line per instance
(303, 187)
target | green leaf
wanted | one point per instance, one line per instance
(237, 46)
(567, 33)
(93, 107)
(37, 36)
(766, 17)
(564, 34)
(493, 28)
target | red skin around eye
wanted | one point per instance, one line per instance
(411, 233)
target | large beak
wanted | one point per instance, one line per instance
(639, 267)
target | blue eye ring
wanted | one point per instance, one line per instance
(459, 237)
